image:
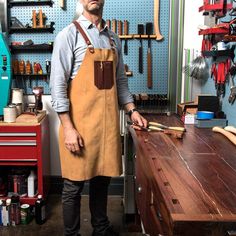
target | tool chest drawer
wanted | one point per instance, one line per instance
(19, 143)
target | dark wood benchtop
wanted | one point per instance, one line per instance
(196, 175)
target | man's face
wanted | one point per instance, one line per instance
(93, 6)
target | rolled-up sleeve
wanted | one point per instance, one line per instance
(124, 95)
(61, 64)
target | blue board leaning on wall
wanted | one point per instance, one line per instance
(134, 11)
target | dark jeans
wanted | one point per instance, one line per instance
(71, 196)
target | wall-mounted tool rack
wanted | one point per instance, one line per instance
(215, 7)
(31, 76)
(47, 29)
(30, 3)
(31, 48)
(137, 36)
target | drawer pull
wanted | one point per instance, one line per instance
(140, 189)
(17, 134)
(19, 143)
(14, 160)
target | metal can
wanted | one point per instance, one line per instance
(25, 214)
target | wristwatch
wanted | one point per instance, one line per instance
(130, 112)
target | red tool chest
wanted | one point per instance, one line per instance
(27, 145)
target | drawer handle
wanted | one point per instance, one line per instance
(140, 189)
(17, 134)
(19, 143)
(13, 160)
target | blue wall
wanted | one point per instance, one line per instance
(135, 11)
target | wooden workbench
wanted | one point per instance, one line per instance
(185, 186)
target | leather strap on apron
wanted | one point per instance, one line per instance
(88, 42)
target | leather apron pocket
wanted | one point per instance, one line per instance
(103, 74)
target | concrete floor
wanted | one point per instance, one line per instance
(54, 224)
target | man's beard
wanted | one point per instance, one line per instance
(95, 10)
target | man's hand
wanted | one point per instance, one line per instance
(73, 140)
(138, 119)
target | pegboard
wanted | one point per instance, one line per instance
(135, 11)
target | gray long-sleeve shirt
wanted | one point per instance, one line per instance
(68, 54)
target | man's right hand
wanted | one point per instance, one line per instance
(73, 140)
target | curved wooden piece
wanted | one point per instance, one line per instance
(230, 129)
(156, 20)
(227, 134)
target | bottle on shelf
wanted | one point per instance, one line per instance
(40, 210)
(5, 214)
(32, 184)
(8, 208)
(15, 210)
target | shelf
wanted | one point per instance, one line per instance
(25, 200)
(48, 28)
(31, 76)
(215, 7)
(30, 3)
(137, 36)
(31, 48)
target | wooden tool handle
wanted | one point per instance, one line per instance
(176, 128)
(34, 25)
(231, 129)
(140, 60)
(41, 18)
(120, 27)
(113, 26)
(126, 27)
(227, 134)
(149, 70)
(155, 128)
(156, 20)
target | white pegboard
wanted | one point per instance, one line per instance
(135, 11)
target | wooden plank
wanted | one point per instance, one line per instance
(31, 118)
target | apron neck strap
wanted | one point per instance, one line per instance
(88, 42)
(79, 28)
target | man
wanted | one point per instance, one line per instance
(87, 82)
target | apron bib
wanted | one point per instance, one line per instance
(95, 114)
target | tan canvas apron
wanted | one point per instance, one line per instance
(94, 112)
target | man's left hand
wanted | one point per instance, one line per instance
(138, 119)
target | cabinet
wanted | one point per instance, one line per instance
(184, 186)
(27, 145)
